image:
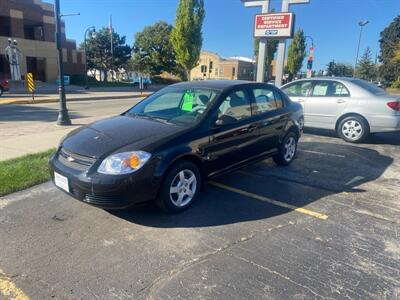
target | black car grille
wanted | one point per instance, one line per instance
(75, 161)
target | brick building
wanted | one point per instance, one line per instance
(32, 24)
(212, 66)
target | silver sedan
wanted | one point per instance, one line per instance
(352, 107)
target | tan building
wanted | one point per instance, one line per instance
(212, 66)
(32, 24)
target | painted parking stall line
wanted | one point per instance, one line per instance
(323, 153)
(9, 290)
(271, 201)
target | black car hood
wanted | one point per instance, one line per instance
(106, 136)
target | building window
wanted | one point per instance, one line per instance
(211, 66)
(216, 71)
(5, 26)
(233, 71)
(33, 30)
(203, 69)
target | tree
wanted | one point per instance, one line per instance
(390, 37)
(340, 69)
(187, 37)
(296, 53)
(155, 41)
(272, 46)
(396, 65)
(99, 51)
(366, 68)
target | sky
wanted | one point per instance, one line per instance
(228, 26)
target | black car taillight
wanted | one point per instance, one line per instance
(395, 105)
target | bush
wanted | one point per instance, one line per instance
(162, 80)
(396, 84)
(80, 79)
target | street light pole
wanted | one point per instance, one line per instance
(85, 46)
(63, 117)
(361, 24)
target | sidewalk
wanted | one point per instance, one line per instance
(78, 96)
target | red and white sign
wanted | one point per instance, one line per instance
(274, 25)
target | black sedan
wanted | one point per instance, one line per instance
(167, 146)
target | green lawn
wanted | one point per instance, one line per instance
(23, 172)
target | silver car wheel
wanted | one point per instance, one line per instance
(183, 188)
(290, 149)
(352, 130)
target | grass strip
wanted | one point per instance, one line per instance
(23, 172)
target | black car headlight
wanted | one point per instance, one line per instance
(124, 163)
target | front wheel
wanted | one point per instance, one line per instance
(287, 150)
(180, 187)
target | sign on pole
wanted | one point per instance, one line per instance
(30, 84)
(274, 25)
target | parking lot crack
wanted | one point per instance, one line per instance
(277, 273)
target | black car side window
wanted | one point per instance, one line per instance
(266, 100)
(235, 107)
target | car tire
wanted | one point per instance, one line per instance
(180, 188)
(353, 129)
(287, 150)
(1, 91)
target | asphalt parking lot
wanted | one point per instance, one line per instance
(328, 226)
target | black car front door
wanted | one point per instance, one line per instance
(233, 132)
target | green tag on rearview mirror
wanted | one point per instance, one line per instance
(188, 101)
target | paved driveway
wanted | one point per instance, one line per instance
(325, 227)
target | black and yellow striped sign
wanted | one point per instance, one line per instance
(30, 84)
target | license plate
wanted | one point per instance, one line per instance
(61, 181)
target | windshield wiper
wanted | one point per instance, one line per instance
(150, 117)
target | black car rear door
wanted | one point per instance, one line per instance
(270, 115)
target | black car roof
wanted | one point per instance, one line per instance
(212, 84)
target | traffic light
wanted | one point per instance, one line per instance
(309, 64)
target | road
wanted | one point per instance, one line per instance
(325, 227)
(31, 128)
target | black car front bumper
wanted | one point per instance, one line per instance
(107, 191)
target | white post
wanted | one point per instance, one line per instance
(262, 49)
(280, 59)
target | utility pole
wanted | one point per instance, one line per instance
(63, 117)
(85, 49)
(361, 24)
(262, 50)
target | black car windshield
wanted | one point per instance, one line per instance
(176, 105)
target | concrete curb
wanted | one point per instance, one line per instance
(55, 100)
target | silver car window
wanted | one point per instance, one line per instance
(298, 89)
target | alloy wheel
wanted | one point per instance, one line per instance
(352, 130)
(183, 188)
(290, 149)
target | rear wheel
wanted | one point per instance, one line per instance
(287, 150)
(180, 188)
(353, 129)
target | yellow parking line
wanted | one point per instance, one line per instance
(9, 290)
(271, 201)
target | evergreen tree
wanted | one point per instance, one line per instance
(366, 68)
(296, 54)
(187, 36)
(98, 49)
